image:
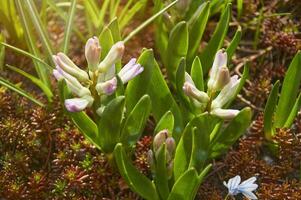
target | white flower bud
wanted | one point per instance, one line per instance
(191, 91)
(114, 55)
(108, 87)
(226, 114)
(159, 139)
(92, 53)
(62, 61)
(78, 104)
(220, 62)
(130, 71)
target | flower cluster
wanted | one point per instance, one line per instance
(163, 137)
(221, 89)
(100, 80)
(246, 187)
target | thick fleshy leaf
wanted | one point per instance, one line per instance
(197, 25)
(234, 43)
(151, 82)
(177, 48)
(161, 177)
(185, 186)
(289, 122)
(216, 40)
(135, 180)
(106, 41)
(269, 111)
(135, 121)
(197, 74)
(180, 79)
(166, 122)
(237, 127)
(110, 123)
(289, 91)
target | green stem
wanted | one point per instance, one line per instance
(226, 197)
(147, 22)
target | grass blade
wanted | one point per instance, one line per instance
(68, 30)
(20, 91)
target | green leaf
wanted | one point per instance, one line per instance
(289, 91)
(69, 27)
(135, 180)
(217, 40)
(289, 122)
(114, 27)
(185, 186)
(151, 82)
(183, 152)
(135, 122)
(234, 43)
(106, 40)
(197, 24)
(161, 177)
(176, 49)
(36, 20)
(166, 122)
(269, 112)
(35, 80)
(15, 88)
(239, 8)
(110, 123)
(180, 79)
(197, 74)
(237, 127)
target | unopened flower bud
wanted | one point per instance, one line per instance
(108, 87)
(226, 114)
(220, 61)
(222, 79)
(92, 53)
(130, 71)
(170, 145)
(191, 91)
(150, 160)
(159, 139)
(78, 104)
(62, 61)
(114, 55)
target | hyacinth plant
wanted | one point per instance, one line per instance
(281, 110)
(180, 36)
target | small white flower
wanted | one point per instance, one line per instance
(246, 187)
(92, 53)
(130, 71)
(225, 113)
(217, 71)
(78, 104)
(62, 61)
(114, 55)
(191, 90)
(107, 87)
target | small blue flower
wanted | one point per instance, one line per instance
(246, 187)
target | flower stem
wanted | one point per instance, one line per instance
(147, 22)
(226, 197)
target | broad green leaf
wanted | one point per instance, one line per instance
(180, 79)
(166, 122)
(20, 91)
(216, 41)
(289, 91)
(135, 180)
(183, 152)
(135, 121)
(35, 80)
(185, 186)
(176, 49)
(234, 43)
(269, 112)
(161, 177)
(289, 122)
(110, 123)
(69, 27)
(197, 74)
(237, 127)
(151, 82)
(197, 25)
(106, 40)
(114, 27)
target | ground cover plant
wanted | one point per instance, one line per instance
(150, 99)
